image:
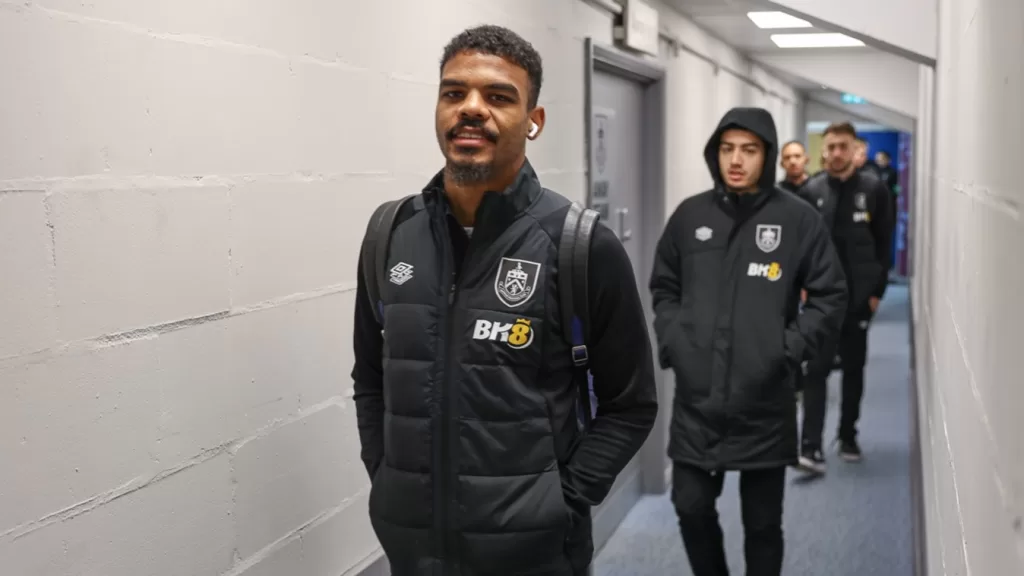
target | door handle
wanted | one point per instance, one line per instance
(624, 234)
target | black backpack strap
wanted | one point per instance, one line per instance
(573, 262)
(566, 280)
(375, 250)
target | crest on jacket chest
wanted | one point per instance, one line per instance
(516, 281)
(768, 237)
(860, 201)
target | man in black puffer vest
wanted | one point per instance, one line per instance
(726, 286)
(855, 205)
(466, 400)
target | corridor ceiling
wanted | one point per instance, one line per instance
(728, 20)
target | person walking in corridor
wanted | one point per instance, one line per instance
(467, 394)
(861, 158)
(855, 205)
(794, 166)
(891, 178)
(727, 275)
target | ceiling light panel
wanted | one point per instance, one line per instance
(824, 40)
(776, 20)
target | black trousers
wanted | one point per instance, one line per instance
(695, 492)
(851, 349)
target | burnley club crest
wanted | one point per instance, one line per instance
(516, 281)
(769, 236)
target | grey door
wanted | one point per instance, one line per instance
(617, 189)
(618, 124)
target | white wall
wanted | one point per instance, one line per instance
(698, 96)
(968, 233)
(882, 79)
(827, 107)
(908, 25)
(182, 194)
(819, 126)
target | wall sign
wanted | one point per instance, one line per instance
(640, 27)
(600, 184)
(601, 145)
(852, 99)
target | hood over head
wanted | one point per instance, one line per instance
(756, 120)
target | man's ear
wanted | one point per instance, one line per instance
(536, 124)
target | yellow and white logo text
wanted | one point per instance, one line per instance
(517, 335)
(771, 271)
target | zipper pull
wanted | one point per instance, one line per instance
(451, 295)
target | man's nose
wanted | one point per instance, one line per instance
(473, 106)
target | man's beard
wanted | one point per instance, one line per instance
(841, 169)
(469, 172)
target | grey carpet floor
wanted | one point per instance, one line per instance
(855, 521)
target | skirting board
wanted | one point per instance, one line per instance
(918, 527)
(376, 567)
(613, 511)
(616, 506)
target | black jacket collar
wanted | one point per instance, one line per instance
(497, 209)
(743, 204)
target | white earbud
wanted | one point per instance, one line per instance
(533, 129)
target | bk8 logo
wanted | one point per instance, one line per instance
(517, 335)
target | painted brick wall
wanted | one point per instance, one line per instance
(183, 188)
(968, 235)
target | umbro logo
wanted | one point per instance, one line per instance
(401, 273)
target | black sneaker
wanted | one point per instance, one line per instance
(812, 461)
(849, 450)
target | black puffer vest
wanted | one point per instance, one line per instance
(479, 394)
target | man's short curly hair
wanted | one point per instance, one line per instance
(499, 41)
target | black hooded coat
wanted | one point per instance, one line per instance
(726, 286)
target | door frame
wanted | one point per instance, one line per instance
(651, 478)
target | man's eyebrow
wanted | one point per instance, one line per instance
(502, 86)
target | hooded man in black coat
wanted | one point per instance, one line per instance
(726, 290)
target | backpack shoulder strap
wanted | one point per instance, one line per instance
(573, 262)
(375, 250)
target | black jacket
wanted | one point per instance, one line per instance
(890, 177)
(726, 287)
(466, 403)
(858, 212)
(791, 187)
(871, 167)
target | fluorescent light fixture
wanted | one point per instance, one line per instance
(823, 40)
(774, 20)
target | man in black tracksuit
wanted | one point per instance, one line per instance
(891, 178)
(855, 205)
(794, 166)
(728, 272)
(466, 400)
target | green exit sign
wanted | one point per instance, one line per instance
(853, 99)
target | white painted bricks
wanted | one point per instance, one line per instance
(183, 188)
(968, 291)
